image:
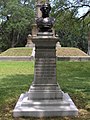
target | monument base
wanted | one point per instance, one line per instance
(45, 97)
(45, 108)
(30, 45)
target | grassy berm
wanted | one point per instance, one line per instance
(25, 51)
(19, 51)
(16, 77)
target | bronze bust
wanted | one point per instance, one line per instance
(45, 23)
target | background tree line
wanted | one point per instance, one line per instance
(17, 17)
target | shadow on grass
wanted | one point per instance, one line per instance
(74, 78)
(12, 86)
(77, 84)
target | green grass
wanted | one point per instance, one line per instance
(74, 78)
(61, 51)
(70, 51)
(16, 77)
(20, 51)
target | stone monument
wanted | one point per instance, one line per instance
(45, 97)
(58, 45)
(29, 42)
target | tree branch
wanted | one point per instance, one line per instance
(25, 2)
(86, 14)
(78, 6)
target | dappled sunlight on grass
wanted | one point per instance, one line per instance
(12, 68)
(74, 78)
(12, 86)
(16, 78)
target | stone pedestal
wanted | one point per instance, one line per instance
(34, 30)
(58, 45)
(29, 42)
(45, 98)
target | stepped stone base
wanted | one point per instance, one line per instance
(30, 45)
(45, 92)
(44, 108)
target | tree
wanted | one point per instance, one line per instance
(17, 17)
(71, 28)
(71, 5)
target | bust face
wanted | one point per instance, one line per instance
(45, 23)
(45, 10)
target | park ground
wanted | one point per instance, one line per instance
(16, 77)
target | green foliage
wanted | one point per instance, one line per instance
(18, 16)
(17, 20)
(72, 30)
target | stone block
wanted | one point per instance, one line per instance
(45, 108)
(44, 95)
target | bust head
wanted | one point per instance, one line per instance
(45, 23)
(45, 9)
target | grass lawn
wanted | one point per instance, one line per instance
(16, 77)
(19, 51)
(26, 51)
(70, 51)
